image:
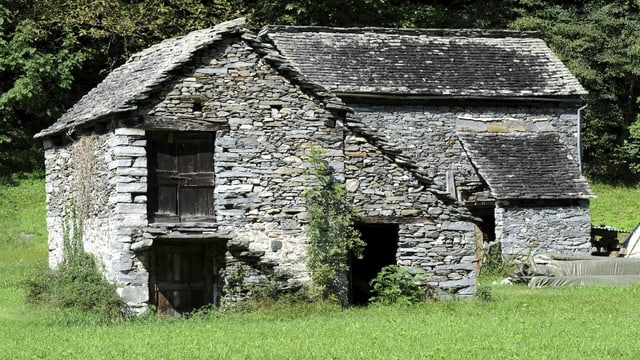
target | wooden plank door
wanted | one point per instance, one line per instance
(183, 277)
(195, 176)
(181, 177)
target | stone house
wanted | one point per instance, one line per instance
(184, 168)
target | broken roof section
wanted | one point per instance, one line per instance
(420, 62)
(525, 165)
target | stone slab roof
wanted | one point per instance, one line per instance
(465, 63)
(525, 165)
(120, 91)
(333, 61)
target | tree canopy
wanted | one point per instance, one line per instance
(54, 51)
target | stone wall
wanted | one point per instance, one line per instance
(264, 126)
(434, 236)
(76, 195)
(260, 152)
(429, 132)
(128, 163)
(538, 228)
(99, 182)
(444, 250)
(59, 180)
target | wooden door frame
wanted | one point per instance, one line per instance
(213, 262)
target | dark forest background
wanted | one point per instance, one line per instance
(54, 51)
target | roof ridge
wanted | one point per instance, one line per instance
(445, 32)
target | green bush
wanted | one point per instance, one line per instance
(395, 284)
(484, 293)
(78, 285)
(332, 236)
(276, 291)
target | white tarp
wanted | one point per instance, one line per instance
(632, 244)
(570, 270)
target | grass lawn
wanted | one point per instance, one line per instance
(616, 206)
(520, 323)
(570, 323)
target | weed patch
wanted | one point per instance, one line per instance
(397, 285)
(494, 265)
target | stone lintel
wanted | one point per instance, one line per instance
(129, 131)
(394, 220)
(195, 237)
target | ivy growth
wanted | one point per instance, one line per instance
(332, 236)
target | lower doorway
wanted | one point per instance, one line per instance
(381, 249)
(185, 276)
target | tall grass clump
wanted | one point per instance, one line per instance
(494, 264)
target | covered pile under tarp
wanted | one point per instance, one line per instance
(632, 244)
(566, 270)
(558, 281)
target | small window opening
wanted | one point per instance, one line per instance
(197, 106)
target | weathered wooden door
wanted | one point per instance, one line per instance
(181, 176)
(183, 277)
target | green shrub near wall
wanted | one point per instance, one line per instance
(332, 236)
(76, 283)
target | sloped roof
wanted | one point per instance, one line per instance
(525, 165)
(470, 63)
(144, 71)
(330, 61)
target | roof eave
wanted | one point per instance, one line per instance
(70, 130)
(354, 96)
(201, 41)
(546, 197)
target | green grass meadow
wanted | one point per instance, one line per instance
(520, 323)
(617, 206)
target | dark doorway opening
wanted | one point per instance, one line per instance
(485, 234)
(184, 276)
(381, 249)
(488, 224)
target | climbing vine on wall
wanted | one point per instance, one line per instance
(332, 236)
(84, 159)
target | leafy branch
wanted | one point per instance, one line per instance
(332, 236)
